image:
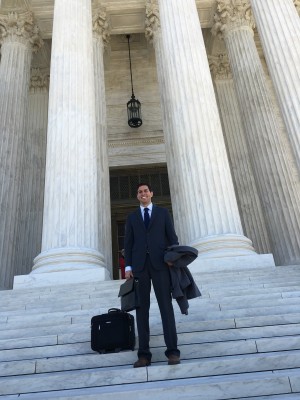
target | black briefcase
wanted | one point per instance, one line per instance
(113, 331)
(129, 293)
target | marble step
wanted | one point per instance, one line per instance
(49, 362)
(16, 300)
(113, 286)
(95, 384)
(224, 303)
(65, 326)
(80, 356)
(211, 298)
(198, 275)
(212, 292)
(156, 340)
(223, 287)
(251, 292)
(209, 312)
(266, 339)
(155, 328)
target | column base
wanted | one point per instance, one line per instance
(226, 245)
(57, 278)
(62, 266)
(228, 263)
(67, 259)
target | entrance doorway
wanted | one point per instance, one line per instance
(123, 188)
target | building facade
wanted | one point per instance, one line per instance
(219, 83)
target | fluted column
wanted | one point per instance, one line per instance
(272, 172)
(278, 26)
(252, 216)
(203, 200)
(100, 40)
(30, 223)
(70, 239)
(19, 37)
(297, 5)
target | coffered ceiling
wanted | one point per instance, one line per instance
(125, 16)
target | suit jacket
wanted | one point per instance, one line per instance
(140, 241)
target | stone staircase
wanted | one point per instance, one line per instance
(241, 340)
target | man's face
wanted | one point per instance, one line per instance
(144, 195)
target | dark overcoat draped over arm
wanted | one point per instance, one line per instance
(184, 287)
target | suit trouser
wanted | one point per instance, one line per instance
(162, 287)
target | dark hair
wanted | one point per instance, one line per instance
(144, 184)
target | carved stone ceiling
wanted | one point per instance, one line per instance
(125, 16)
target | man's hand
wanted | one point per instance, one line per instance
(128, 275)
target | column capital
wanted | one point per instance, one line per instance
(101, 26)
(220, 67)
(20, 27)
(152, 20)
(232, 15)
(39, 80)
(297, 5)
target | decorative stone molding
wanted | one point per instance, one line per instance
(39, 80)
(152, 20)
(231, 15)
(220, 67)
(20, 27)
(297, 5)
(136, 142)
(101, 26)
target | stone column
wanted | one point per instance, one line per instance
(204, 205)
(30, 223)
(19, 37)
(100, 40)
(70, 240)
(278, 25)
(272, 171)
(248, 199)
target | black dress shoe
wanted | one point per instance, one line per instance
(173, 359)
(141, 362)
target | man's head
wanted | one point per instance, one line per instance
(144, 194)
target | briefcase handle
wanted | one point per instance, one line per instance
(114, 310)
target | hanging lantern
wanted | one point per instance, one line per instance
(133, 105)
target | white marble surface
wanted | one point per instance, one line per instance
(278, 344)
(100, 32)
(203, 388)
(16, 54)
(70, 218)
(28, 342)
(272, 171)
(209, 347)
(61, 277)
(76, 379)
(295, 383)
(17, 368)
(210, 264)
(222, 366)
(203, 198)
(249, 202)
(29, 232)
(279, 30)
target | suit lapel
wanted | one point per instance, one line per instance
(139, 217)
(153, 215)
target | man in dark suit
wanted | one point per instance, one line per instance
(149, 231)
